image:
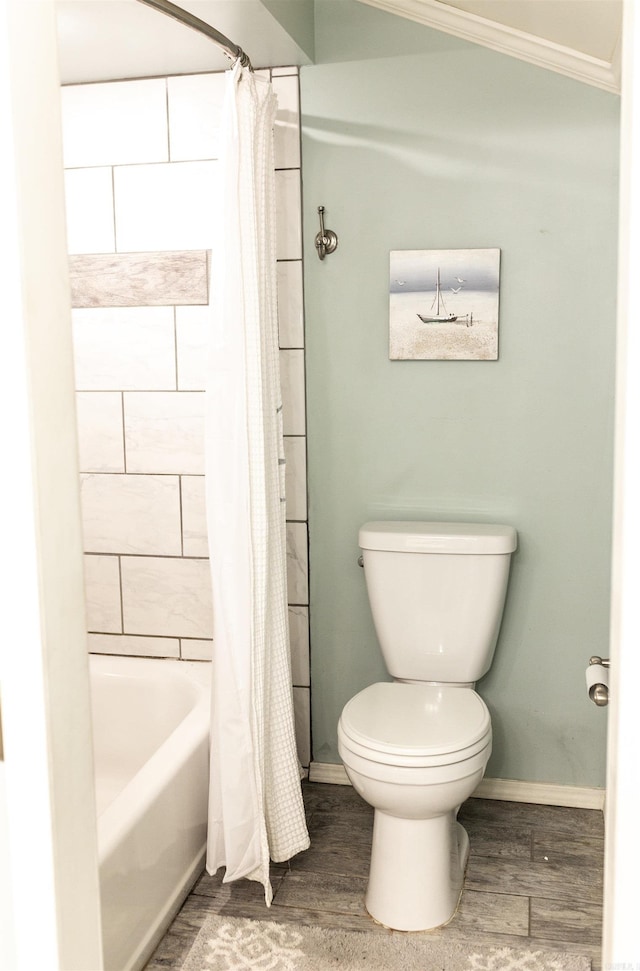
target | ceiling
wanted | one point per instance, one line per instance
(106, 40)
(110, 39)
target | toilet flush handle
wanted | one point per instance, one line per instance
(360, 560)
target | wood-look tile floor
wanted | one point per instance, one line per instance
(534, 879)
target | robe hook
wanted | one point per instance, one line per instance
(326, 239)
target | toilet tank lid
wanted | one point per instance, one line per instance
(429, 537)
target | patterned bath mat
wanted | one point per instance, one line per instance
(235, 944)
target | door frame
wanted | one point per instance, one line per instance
(48, 841)
(621, 937)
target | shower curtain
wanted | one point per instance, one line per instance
(255, 800)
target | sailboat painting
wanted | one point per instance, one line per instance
(444, 305)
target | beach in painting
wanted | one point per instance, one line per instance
(411, 339)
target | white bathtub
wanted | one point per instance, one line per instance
(151, 729)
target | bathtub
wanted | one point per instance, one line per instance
(151, 729)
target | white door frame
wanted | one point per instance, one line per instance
(49, 894)
(621, 943)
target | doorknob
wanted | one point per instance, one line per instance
(598, 689)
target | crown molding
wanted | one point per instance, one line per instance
(507, 40)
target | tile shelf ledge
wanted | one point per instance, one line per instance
(159, 279)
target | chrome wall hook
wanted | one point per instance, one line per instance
(326, 239)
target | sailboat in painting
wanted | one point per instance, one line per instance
(441, 315)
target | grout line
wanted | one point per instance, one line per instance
(157, 556)
(113, 207)
(124, 436)
(175, 348)
(121, 596)
(153, 637)
(181, 517)
(166, 97)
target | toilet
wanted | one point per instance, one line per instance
(417, 747)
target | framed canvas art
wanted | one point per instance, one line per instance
(443, 305)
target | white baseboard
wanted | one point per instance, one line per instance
(543, 793)
(510, 790)
(328, 772)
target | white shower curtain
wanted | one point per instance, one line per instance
(255, 804)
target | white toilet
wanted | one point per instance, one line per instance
(417, 747)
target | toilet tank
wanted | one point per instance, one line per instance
(437, 593)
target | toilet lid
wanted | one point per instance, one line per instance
(416, 719)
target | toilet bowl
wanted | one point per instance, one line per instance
(415, 752)
(416, 747)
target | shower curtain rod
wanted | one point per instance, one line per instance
(189, 20)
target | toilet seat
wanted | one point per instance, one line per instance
(415, 725)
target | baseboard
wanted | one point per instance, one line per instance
(543, 793)
(509, 790)
(328, 772)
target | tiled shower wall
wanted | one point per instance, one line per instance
(140, 160)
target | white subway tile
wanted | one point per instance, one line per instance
(302, 715)
(295, 454)
(131, 514)
(102, 594)
(164, 432)
(166, 597)
(194, 516)
(282, 71)
(293, 391)
(195, 650)
(288, 215)
(126, 348)
(169, 206)
(195, 109)
(290, 303)
(192, 326)
(287, 127)
(114, 123)
(89, 205)
(297, 564)
(125, 644)
(299, 641)
(100, 432)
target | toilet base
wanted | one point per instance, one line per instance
(417, 870)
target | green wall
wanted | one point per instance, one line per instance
(416, 140)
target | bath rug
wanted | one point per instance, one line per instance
(239, 944)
